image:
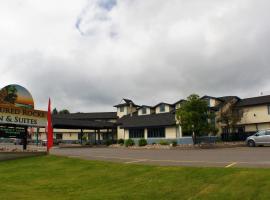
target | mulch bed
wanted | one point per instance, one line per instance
(185, 146)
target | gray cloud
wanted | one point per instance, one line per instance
(150, 51)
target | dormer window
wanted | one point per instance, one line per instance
(162, 108)
(121, 109)
(144, 110)
(208, 102)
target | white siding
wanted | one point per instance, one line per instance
(167, 109)
(170, 132)
(148, 111)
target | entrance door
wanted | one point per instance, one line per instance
(92, 138)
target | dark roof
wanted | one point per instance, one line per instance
(227, 98)
(127, 102)
(153, 120)
(162, 103)
(223, 98)
(88, 116)
(179, 101)
(80, 124)
(146, 106)
(223, 101)
(206, 96)
(254, 101)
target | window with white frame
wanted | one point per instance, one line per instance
(144, 110)
(156, 133)
(162, 108)
(121, 109)
(136, 133)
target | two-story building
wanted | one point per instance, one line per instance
(158, 122)
(253, 114)
(154, 123)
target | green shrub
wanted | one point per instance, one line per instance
(142, 142)
(108, 142)
(129, 142)
(121, 141)
(174, 143)
(84, 138)
(162, 142)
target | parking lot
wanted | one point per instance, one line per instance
(223, 157)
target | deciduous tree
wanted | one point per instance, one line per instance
(195, 117)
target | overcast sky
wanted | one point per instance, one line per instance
(88, 54)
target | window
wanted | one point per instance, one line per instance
(122, 109)
(268, 107)
(136, 133)
(267, 132)
(209, 102)
(162, 108)
(156, 133)
(144, 110)
(261, 133)
(225, 130)
(59, 136)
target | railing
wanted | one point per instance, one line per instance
(207, 139)
(235, 136)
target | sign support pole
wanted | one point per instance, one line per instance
(25, 139)
(37, 136)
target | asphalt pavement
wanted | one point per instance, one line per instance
(258, 157)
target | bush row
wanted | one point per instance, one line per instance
(143, 142)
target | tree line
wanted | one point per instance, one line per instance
(63, 111)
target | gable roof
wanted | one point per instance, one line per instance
(179, 101)
(206, 96)
(254, 101)
(228, 98)
(162, 103)
(127, 102)
(152, 120)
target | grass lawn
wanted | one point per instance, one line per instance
(51, 177)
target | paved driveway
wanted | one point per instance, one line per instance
(227, 157)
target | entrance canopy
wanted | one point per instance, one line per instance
(81, 124)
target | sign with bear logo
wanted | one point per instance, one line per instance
(17, 108)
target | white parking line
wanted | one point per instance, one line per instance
(158, 160)
(135, 161)
(226, 164)
(230, 165)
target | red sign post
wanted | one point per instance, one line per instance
(49, 128)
